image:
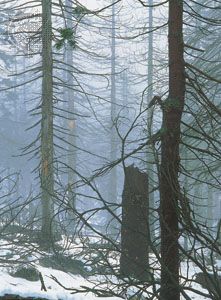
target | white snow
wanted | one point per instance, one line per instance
(25, 288)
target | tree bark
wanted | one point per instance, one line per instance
(113, 139)
(169, 184)
(47, 172)
(71, 117)
(150, 148)
(134, 229)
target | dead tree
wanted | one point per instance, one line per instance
(134, 230)
(170, 156)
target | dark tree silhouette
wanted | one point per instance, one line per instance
(170, 160)
(134, 229)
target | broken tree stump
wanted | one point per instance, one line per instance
(134, 228)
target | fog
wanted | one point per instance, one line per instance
(110, 148)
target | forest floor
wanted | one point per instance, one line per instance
(62, 285)
(27, 289)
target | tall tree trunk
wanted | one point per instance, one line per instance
(186, 184)
(210, 205)
(47, 172)
(169, 185)
(150, 156)
(71, 116)
(113, 152)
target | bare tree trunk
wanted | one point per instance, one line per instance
(186, 183)
(113, 153)
(210, 208)
(47, 172)
(71, 117)
(150, 156)
(169, 185)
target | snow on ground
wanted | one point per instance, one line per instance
(25, 288)
(189, 270)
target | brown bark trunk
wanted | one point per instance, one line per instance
(134, 229)
(169, 185)
(47, 173)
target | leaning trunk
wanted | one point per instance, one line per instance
(47, 180)
(169, 185)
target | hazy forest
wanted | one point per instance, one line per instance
(110, 153)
